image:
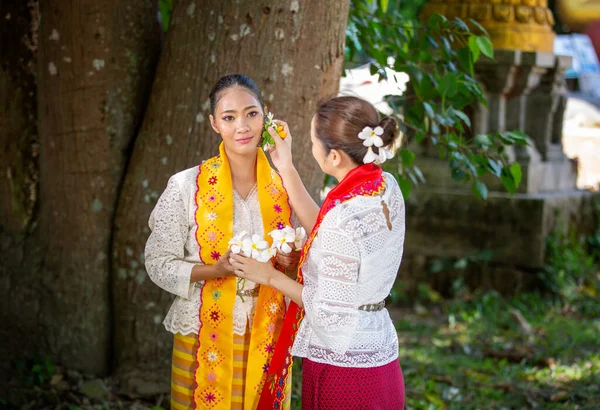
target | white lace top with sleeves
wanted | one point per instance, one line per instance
(353, 261)
(172, 251)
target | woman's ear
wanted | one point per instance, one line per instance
(335, 157)
(213, 124)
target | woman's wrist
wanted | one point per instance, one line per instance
(287, 171)
(273, 275)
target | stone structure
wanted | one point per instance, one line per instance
(525, 90)
(524, 25)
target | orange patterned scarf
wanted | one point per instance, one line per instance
(214, 220)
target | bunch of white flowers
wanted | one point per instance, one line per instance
(254, 246)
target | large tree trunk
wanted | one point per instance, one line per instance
(95, 64)
(294, 50)
(19, 173)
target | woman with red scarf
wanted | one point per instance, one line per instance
(337, 321)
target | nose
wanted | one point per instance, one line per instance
(242, 125)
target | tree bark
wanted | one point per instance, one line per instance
(294, 51)
(19, 169)
(95, 61)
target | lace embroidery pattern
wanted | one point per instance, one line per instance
(353, 261)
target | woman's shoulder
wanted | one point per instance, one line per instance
(363, 213)
(186, 175)
(184, 181)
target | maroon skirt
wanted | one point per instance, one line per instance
(327, 387)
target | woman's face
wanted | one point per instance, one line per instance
(318, 149)
(238, 119)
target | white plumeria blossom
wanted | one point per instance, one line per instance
(370, 156)
(254, 246)
(385, 154)
(371, 136)
(300, 238)
(237, 242)
(270, 116)
(282, 238)
(267, 254)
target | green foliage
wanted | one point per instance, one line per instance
(473, 354)
(439, 56)
(36, 371)
(572, 273)
(166, 9)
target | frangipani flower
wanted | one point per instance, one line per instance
(300, 238)
(282, 238)
(371, 136)
(370, 156)
(385, 154)
(236, 243)
(254, 246)
(267, 254)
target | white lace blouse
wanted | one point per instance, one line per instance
(172, 251)
(353, 261)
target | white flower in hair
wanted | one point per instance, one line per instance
(370, 156)
(371, 136)
(385, 154)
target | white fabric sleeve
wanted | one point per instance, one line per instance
(165, 248)
(334, 314)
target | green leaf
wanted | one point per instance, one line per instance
(515, 170)
(419, 174)
(461, 264)
(479, 26)
(384, 5)
(508, 180)
(429, 110)
(461, 24)
(373, 69)
(479, 189)
(465, 58)
(459, 175)
(166, 8)
(494, 167)
(483, 140)
(436, 21)
(448, 86)
(474, 47)
(518, 137)
(463, 117)
(408, 157)
(405, 187)
(485, 45)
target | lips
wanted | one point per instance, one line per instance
(244, 140)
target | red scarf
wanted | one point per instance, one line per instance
(364, 180)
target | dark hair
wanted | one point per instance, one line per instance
(339, 120)
(234, 80)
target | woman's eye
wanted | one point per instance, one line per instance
(228, 118)
(253, 113)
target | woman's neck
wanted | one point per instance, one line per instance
(340, 173)
(243, 172)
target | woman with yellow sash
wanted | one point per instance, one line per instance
(337, 321)
(225, 328)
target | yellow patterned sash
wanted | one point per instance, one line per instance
(214, 220)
